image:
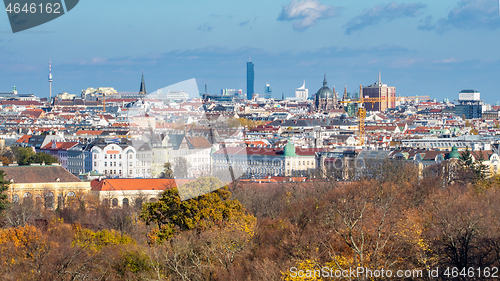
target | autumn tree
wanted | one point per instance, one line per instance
(459, 228)
(171, 215)
(205, 233)
(360, 222)
(4, 186)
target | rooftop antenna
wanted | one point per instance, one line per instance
(379, 76)
(50, 80)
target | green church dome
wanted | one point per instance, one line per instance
(289, 150)
(454, 153)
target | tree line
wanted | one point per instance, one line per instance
(396, 217)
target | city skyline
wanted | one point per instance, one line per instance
(424, 48)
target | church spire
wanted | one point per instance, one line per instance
(142, 91)
(345, 93)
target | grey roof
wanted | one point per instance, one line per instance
(38, 174)
(176, 140)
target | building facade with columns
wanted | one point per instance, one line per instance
(49, 184)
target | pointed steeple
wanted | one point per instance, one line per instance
(345, 93)
(324, 81)
(142, 91)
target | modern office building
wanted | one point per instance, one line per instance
(469, 104)
(381, 91)
(302, 92)
(250, 80)
(268, 91)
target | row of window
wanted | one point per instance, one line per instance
(265, 162)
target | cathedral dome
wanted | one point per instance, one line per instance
(325, 92)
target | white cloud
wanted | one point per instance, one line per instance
(381, 12)
(307, 12)
(468, 14)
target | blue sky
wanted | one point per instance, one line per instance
(434, 48)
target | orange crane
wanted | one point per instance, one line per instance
(362, 112)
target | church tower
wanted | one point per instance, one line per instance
(142, 91)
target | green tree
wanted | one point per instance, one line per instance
(4, 185)
(477, 166)
(22, 154)
(216, 209)
(167, 172)
(42, 157)
(466, 159)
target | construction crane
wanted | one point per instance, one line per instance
(362, 112)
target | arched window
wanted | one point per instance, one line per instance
(71, 194)
(105, 202)
(152, 199)
(60, 200)
(15, 199)
(49, 200)
(138, 201)
(114, 202)
(125, 202)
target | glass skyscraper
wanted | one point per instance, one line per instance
(250, 80)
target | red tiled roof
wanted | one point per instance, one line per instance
(60, 145)
(198, 142)
(88, 132)
(137, 184)
(24, 139)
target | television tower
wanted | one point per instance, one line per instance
(50, 80)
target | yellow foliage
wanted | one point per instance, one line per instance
(306, 270)
(95, 241)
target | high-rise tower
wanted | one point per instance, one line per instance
(50, 80)
(381, 91)
(250, 79)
